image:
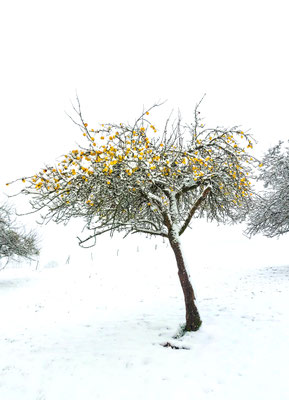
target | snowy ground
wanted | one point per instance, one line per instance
(93, 328)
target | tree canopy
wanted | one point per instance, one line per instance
(270, 212)
(133, 178)
(14, 241)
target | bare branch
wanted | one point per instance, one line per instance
(194, 209)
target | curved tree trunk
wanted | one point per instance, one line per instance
(193, 320)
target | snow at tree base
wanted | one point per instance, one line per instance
(90, 324)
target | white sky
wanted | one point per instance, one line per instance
(123, 55)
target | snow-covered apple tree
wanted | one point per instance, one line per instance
(14, 241)
(270, 212)
(136, 178)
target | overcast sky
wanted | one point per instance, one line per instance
(122, 55)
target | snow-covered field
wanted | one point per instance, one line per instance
(92, 328)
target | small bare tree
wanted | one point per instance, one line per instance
(14, 242)
(270, 212)
(134, 178)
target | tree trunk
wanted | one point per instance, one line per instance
(193, 320)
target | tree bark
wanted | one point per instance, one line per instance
(193, 320)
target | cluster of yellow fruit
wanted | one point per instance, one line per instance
(126, 151)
